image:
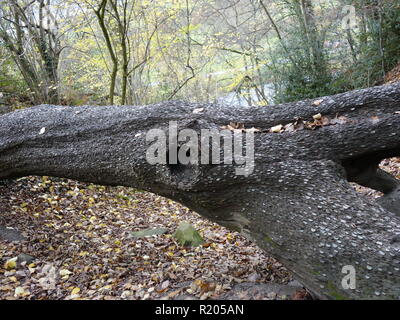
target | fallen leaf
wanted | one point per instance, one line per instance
(75, 291)
(47, 278)
(340, 120)
(290, 127)
(165, 284)
(233, 126)
(253, 130)
(325, 121)
(20, 292)
(317, 116)
(199, 110)
(11, 264)
(277, 129)
(375, 119)
(65, 272)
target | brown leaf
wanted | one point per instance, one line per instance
(300, 125)
(318, 102)
(174, 293)
(309, 125)
(172, 276)
(290, 127)
(375, 119)
(325, 121)
(317, 123)
(234, 126)
(253, 130)
(301, 295)
(340, 120)
(207, 287)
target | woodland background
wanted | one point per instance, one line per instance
(135, 52)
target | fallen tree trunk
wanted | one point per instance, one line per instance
(297, 204)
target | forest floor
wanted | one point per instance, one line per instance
(77, 243)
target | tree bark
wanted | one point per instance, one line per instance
(298, 204)
(100, 14)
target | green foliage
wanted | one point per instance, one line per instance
(200, 54)
(298, 86)
(380, 47)
(12, 87)
(376, 50)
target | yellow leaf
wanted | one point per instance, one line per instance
(75, 291)
(277, 129)
(65, 272)
(20, 292)
(11, 264)
(317, 116)
(107, 287)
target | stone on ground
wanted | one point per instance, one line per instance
(10, 234)
(187, 235)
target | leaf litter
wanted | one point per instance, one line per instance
(96, 242)
(107, 243)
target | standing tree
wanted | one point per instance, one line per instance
(29, 31)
